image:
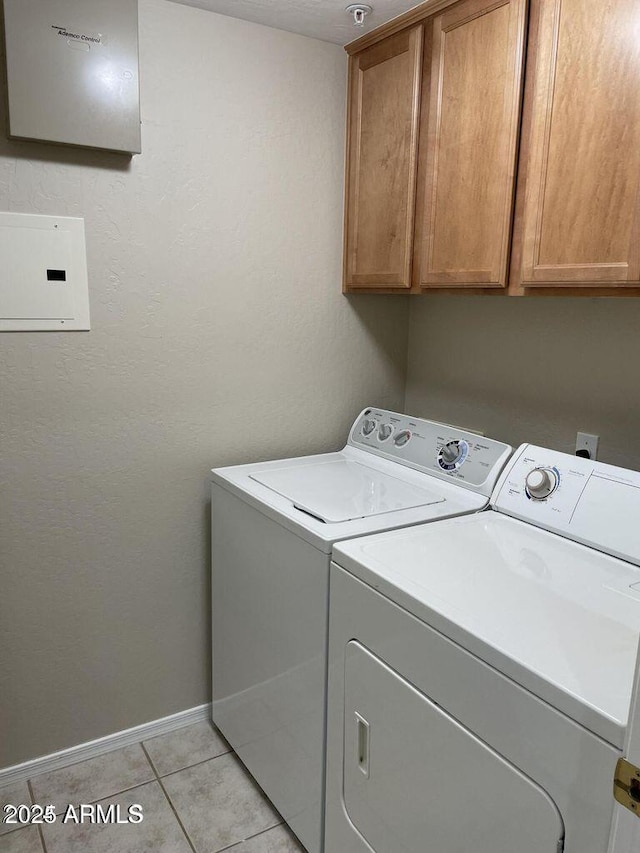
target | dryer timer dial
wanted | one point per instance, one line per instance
(541, 483)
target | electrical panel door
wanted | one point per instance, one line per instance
(72, 72)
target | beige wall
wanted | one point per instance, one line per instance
(534, 370)
(219, 335)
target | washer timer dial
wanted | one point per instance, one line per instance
(540, 483)
(452, 455)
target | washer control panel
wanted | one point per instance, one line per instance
(472, 460)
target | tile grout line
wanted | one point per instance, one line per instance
(42, 841)
(32, 796)
(269, 828)
(13, 828)
(195, 764)
(168, 799)
(40, 832)
(155, 777)
(116, 793)
(158, 778)
(230, 751)
(256, 835)
(281, 822)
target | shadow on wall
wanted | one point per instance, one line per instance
(372, 313)
(530, 369)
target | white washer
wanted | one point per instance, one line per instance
(273, 528)
(481, 669)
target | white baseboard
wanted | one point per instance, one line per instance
(93, 748)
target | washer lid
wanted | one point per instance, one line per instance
(343, 490)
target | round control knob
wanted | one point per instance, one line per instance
(368, 426)
(385, 431)
(453, 455)
(402, 438)
(451, 452)
(540, 483)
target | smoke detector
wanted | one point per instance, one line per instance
(359, 12)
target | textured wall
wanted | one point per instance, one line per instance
(533, 370)
(219, 336)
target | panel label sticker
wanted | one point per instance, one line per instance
(76, 34)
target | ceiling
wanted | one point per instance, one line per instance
(321, 19)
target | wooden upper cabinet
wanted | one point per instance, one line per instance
(438, 122)
(581, 157)
(469, 143)
(382, 162)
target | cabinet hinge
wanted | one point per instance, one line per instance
(626, 786)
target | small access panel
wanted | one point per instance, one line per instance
(415, 779)
(72, 72)
(43, 283)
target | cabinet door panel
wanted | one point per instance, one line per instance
(582, 200)
(470, 140)
(383, 138)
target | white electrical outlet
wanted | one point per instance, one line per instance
(587, 445)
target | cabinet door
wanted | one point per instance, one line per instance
(581, 198)
(469, 142)
(383, 138)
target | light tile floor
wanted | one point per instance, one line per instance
(195, 794)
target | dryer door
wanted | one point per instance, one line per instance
(416, 780)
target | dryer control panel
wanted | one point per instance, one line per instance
(447, 452)
(584, 500)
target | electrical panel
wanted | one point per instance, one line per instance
(72, 72)
(43, 286)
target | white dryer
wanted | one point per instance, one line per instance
(273, 529)
(481, 669)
